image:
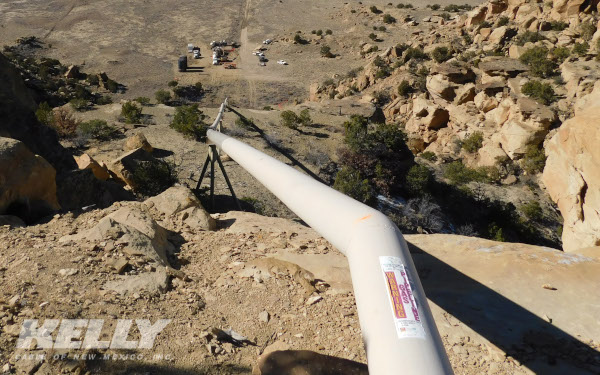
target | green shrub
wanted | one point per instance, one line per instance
(581, 48)
(381, 28)
(78, 104)
(534, 160)
(561, 53)
(373, 36)
(408, 6)
(256, 205)
(405, 89)
(473, 142)
(267, 108)
(319, 32)
(428, 155)
(441, 54)
(104, 100)
(328, 32)
(326, 51)
(587, 30)
(152, 177)
(446, 16)
(142, 100)
(244, 123)
(289, 119)
(388, 18)
(532, 210)
(162, 96)
(502, 21)
(558, 25)
(172, 83)
(98, 129)
(131, 113)
(539, 63)
(418, 180)
(298, 39)
(189, 121)
(313, 32)
(495, 233)
(44, 114)
(304, 117)
(542, 92)
(350, 182)
(374, 9)
(93, 79)
(414, 53)
(459, 174)
(111, 86)
(529, 36)
(435, 7)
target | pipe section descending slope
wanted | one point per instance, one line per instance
(397, 325)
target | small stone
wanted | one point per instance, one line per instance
(548, 286)
(312, 300)
(547, 318)
(264, 317)
(68, 272)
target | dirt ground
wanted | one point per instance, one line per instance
(138, 43)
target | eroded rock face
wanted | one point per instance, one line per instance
(572, 174)
(27, 181)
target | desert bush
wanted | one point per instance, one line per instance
(244, 123)
(405, 89)
(534, 160)
(289, 119)
(93, 79)
(381, 28)
(111, 86)
(429, 155)
(388, 18)
(98, 129)
(298, 39)
(435, 7)
(457, 8)
(44, 114)
(587, 30)
(267, 108)
(467, 39)
(414, 53)
(382, 73)
(539, 63)
(103, 100)
(373, 36)
(329, 82)
(304, 117)
(446, 16)
(502, 21)
(494, 232)
(131, 113)
(425, 213)
(64, 123)
(350, 182)
(172, 83)
(374, 9)
(78, 104)
(473, 142)
(418, 179)
(317, 158)
(400, 6)
(408, 6)
(328, 32)
(256, 206)
(532, 210)
(142, 100)
(319, 32)
(162, 96)
(381, 96)
(561, 53)
(581, 48)
(189, 121)
(541, 92)
(529, 36)
(326, 51)
(460, 174)
(558, 25)
(153, 177)
(441, 54)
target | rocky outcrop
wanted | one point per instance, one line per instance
(136, 141)
(179, 203)
(572, 174)
(87, 162)
(27, 182)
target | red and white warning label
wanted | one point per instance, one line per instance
(404, 306)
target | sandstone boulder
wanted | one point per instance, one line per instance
(136, 141)
(123, 168)
(180, 203)
(572, 175)
(87, 162)
(502, 66)
(563, 9)
(28, 185)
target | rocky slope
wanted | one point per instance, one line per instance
(499, 306)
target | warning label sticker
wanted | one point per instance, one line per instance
(404, 305)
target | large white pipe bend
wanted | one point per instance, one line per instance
(397, 325)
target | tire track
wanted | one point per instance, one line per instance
(73, 5)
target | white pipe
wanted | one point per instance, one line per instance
(398, 338)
